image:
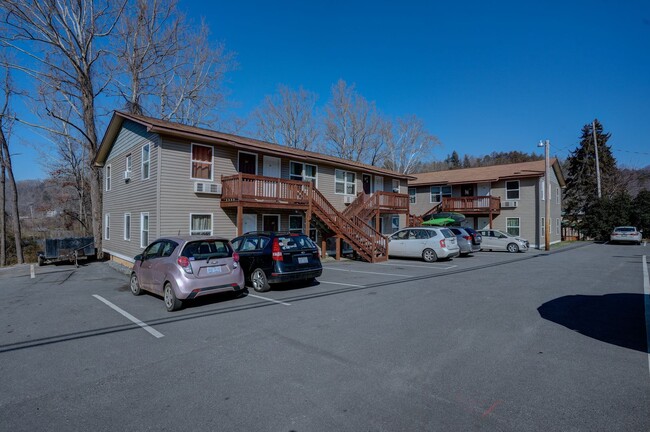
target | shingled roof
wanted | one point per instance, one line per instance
(487, 174)
(167, 128)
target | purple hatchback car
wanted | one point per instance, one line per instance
(183, 268)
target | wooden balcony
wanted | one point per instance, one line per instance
(390, 202)
(264, 192)
(472, 205)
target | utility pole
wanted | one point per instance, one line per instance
(547, 193)
(593, 130)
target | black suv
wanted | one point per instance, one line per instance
(273, 257)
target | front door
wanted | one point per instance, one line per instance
(483, 223)
(467, 190)
(271, 222)
(366, 180)
(250, 222)
(483, 189)
(271, 168)
(379, 184)
(247, 163)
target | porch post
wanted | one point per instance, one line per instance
(308, 216)
(338, 248)
(323, 245)
(240, 220)
(490, 218)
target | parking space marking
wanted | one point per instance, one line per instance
(339, 283)
(130, 317)
(367, 272)
(268, 299)
(646, 290)
(420, 266)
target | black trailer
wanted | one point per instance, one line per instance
(67, 249)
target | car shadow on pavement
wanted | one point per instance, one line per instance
(618, 319)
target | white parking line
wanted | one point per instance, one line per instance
(268, 299)
(367, 272)
(127, 315)
(339, 283)
(420, 266)
(646, 290)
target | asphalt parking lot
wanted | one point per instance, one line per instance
(495, 341)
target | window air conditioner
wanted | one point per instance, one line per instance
(510, 204)
(207, 188)
(127, 175)
(348, 199)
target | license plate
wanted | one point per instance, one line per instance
(303, 260)
(211, 270)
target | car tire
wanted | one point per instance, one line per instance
(429, 255)
(172, 303)
(259, 281)
(512, 248)
(135, 286)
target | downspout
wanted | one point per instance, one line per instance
(158, 187)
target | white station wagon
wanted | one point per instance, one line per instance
(426, 242)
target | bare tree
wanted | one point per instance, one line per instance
(407, 142)
(6, 122)
(288, 118)
(352, 126)
(60, 43)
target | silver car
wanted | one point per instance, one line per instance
(498, 240)
(426, 242)
(184, 268)
(625, 234)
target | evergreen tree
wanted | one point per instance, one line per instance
(466, 162)
(602, 215)
(454, 160)
(641, 212)
(581, 188)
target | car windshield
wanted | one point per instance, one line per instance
(204, 249)
(295, 242)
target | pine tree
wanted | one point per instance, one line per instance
(466, 162)
(581, 188)
(454, 160)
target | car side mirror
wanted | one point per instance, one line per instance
(138, 258)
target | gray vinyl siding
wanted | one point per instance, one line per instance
(136, 195)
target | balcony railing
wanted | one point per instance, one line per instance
(393, 201)
(472, 205)
(259, 189)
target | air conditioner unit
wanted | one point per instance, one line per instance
(348, 199)
(510, 204)
(127, 175)
(207, 188)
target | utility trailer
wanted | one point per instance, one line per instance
(67, 249)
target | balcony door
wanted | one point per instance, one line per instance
(467, 190)
(483, 189)
(271, 168)
(366, 180)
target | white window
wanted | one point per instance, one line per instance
(512, 190)
(439, 192)
(543, 229)
(128, 163)
(146, 162)
(144, 229)
(557, 195)
(512, 226)
(345, 182)
(557, 226)
(201, 162)
(108, 177)
(542, 186)
(201, 224)
(295, 223)
(412, 195)
(107, 226)
(395, 186)
(303, 172)
(127, 226)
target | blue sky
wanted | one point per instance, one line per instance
(484, 77)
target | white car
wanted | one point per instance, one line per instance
(625, 234)
(426, 242)
(498, 240)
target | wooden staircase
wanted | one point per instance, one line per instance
(367, 242)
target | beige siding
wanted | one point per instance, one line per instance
(134, 196)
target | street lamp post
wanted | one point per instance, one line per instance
(547, 194)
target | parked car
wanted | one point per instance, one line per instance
(430, 243)
(626, 234)
(184, 268)
(467, 242)
(274, 257)
(498, 240)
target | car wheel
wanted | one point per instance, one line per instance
(429, 255)
(135, 286)
(172, 303)
(259, 282)
(512, 247)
